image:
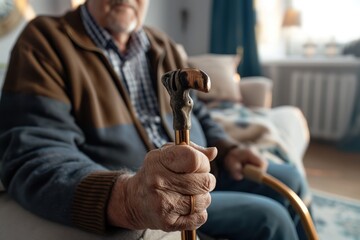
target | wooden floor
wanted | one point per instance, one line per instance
(333, 171)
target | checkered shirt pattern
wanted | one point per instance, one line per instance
(133, 68)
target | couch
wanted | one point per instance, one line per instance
(17, 223)
(242, 106)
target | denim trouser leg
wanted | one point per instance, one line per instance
(249, 211)
(235, 215)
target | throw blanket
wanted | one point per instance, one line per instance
(251, 126)
(279, 142)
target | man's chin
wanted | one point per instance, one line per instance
(122, 22)
(120, 29)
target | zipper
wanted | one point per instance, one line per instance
(123, 92)
(166, 127)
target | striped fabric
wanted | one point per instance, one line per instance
(133, 68)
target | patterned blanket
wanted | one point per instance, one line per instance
(251, 126)
(280, 134)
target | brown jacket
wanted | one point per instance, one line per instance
(69, 126)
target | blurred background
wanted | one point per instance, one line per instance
(308, 48)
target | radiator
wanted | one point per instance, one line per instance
(326, 99)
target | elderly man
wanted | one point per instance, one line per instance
(86, 131)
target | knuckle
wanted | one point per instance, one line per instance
(166, 207)
(158, 206)
(201, 218)
(184, 203)
(207, 200)
(170, 205)
(202, 202)
(193, 164)
(167, 224)
(157, 182)
(209, 182)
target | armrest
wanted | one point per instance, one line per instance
(34, 227)
(256, 91)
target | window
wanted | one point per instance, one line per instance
(322, 22)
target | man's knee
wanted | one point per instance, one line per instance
(250, 216)
(290, 176)
(274, 222)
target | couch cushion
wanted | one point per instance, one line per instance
(17, 223)
(221, 69)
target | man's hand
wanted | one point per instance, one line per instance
(158, 195)
(238, 157)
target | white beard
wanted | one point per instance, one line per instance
(122, 20)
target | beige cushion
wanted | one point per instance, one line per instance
(17, 223)
(221, 69)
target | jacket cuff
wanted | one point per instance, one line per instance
(90, 200)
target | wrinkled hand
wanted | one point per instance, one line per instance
(158, 195)
(238, 157)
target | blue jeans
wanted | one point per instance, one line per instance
(247, 210)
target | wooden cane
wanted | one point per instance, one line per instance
(257, 175)
(178, 83)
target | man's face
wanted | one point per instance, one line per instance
(119, 16)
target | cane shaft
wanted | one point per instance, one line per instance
(181, 137)
(188, 235)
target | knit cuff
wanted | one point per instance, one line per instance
(90, 200)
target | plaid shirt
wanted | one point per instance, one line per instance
(133, 68)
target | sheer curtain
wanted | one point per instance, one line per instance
(233, 31)
(349, 17)
(322, 21)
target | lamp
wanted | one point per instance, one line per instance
(291, 19)
(76, 3)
